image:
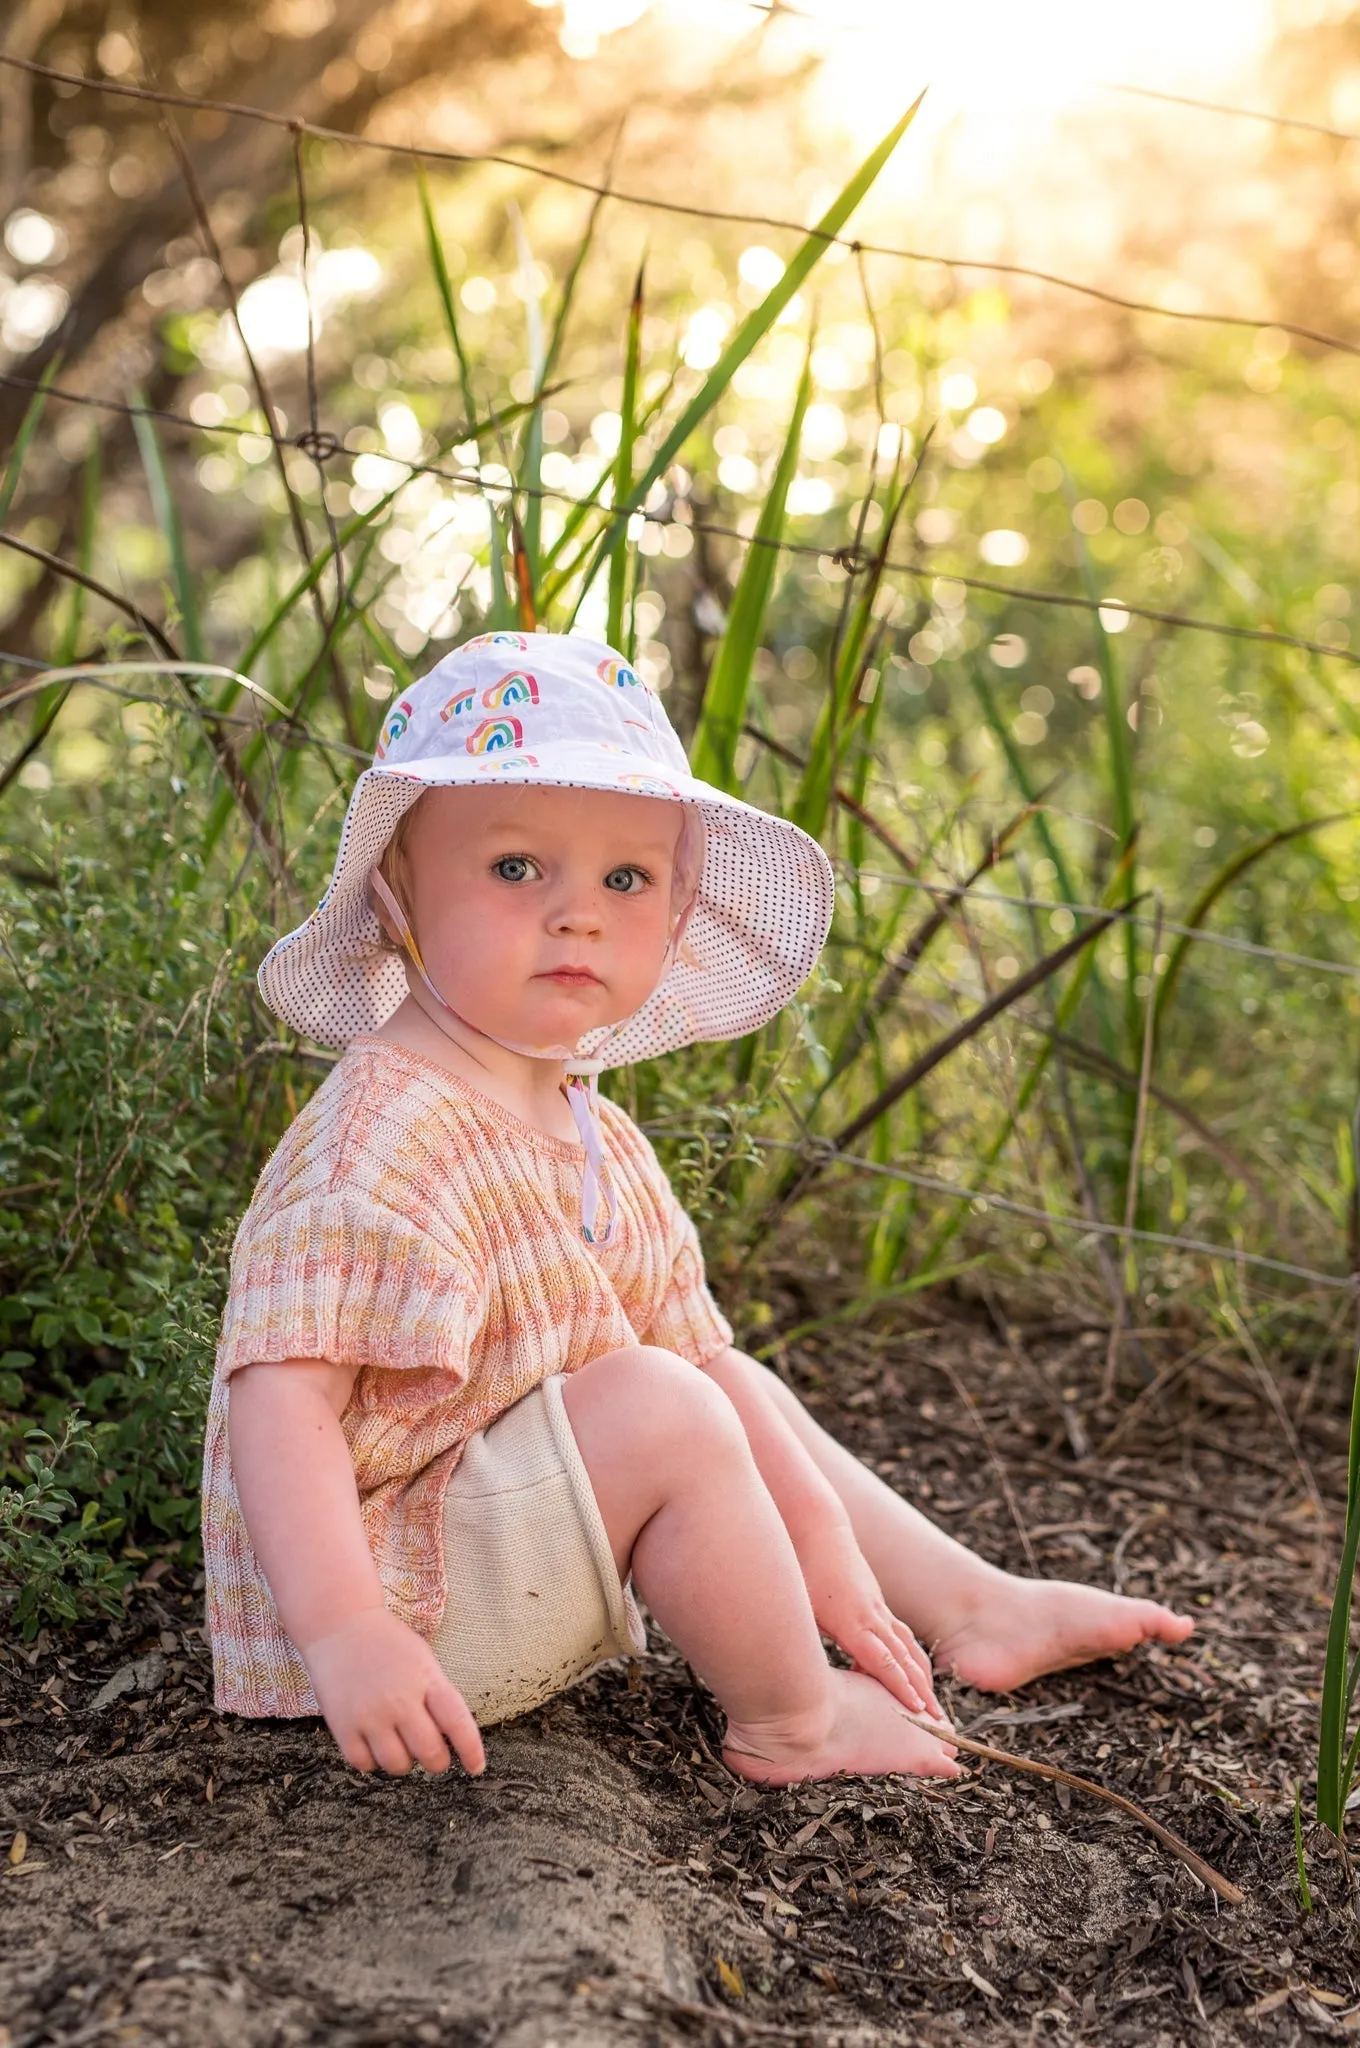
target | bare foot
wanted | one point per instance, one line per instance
(865, 1735)
(1021, 1628)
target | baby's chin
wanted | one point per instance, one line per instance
(563, 1014)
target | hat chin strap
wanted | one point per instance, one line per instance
(582, 1090)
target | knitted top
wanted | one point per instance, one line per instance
(414, 1227)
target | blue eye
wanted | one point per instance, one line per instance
(621, 880)
(514, 867)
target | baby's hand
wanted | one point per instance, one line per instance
(386, 1700)
(849, 1605)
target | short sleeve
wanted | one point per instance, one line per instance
(687, 1320)
(338, 1275)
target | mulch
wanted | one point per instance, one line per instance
(842, 1915)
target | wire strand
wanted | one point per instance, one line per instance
(1082, 1225)
(432, 153)
(487, 486)
(952, 891)
(1177, 99)
(95, 674)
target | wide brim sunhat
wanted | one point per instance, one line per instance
(562, 711)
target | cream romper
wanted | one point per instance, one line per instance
(534, 1599)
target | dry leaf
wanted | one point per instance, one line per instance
(18, 1848)
(1272, 2002)
(977, 1980)
(730, 1977)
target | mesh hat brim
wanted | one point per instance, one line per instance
(761, 919)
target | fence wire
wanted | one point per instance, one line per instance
(950, 892)
(295, 125)
(852, 560)
(823, 1152)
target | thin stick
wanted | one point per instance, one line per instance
(974, 1414)
(1205, 1872)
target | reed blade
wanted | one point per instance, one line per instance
(723, 711)
(757, 325)
(1331, 1759)
(444, 287)
(1226, 876)
(168, 520)
(623, 466)
(23, 440)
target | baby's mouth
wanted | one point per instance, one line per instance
(573, 977)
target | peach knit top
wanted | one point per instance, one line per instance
(411, 1226)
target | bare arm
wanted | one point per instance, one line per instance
(846, 1597)
(296, 1486)
(378, 1683)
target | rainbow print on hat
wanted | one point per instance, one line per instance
(460, 701)
(394, 725)
(493, 733)
(496, 640)
(646, 785)
(619, 674)
(516, 688)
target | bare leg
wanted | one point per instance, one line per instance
(688, 1513)
(990, 1628)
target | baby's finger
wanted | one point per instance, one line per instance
(418, 1731)
(920, 1664)
(389, 1750)
(356, 1751)
(450, 1711)
(882, 1660)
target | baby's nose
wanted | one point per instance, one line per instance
(576, 910)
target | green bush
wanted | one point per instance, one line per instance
(136, 1108)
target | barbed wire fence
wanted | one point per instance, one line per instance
(276, 722)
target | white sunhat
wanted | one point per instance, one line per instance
(560, 710)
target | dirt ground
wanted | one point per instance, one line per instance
(192, 1879)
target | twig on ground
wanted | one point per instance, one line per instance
(1191, 1858)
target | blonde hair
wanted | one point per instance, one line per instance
(394, 865)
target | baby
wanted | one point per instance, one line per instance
(472, 1387)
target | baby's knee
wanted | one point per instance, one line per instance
(670, 1407)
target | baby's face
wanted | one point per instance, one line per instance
(542, 913)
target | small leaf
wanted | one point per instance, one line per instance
(729, 1975)
(976, 1978)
